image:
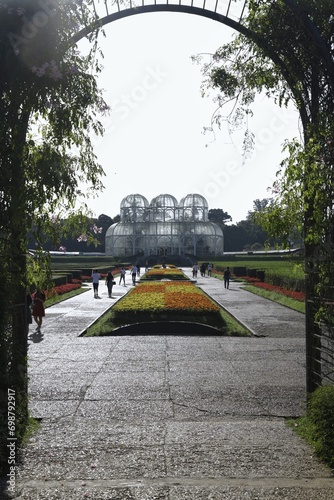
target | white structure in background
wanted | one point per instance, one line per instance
(164, 227)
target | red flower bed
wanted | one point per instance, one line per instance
(278, 289)
(86, 278)
(61, 289)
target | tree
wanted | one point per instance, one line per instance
(218, 216)
(260, 205)
(285, 49)
(236, 238)
(49, 109)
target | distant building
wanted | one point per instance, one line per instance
(164, 227)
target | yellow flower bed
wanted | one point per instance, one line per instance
(166, 296)
(142, 302)
(166, 272)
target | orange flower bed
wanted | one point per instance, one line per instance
(149, 288)
(172, 298)
(190, 301)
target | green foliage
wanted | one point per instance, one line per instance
(321, 414)
(218, 216)
(50, 101)
(49, 111)
(317, 427)
(277, 266)
(285, 49)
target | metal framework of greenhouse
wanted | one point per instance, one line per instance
(164, 227)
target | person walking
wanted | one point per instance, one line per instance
(96, 278)
(227, 275)
(209, 269)
(134, 274)
(110, 283)
(122, 276)
(38, 310)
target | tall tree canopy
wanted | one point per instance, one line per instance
(49, 109)
(285, 49)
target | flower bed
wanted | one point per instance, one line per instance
(170, 300)
(169, 273)
(278, 289)
(61, 289)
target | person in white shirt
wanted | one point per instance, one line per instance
(96, 278)
(134, 271)
(122, 276)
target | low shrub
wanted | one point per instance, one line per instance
(239, 271)
(291, 282)
(320, 412)
(251, 272)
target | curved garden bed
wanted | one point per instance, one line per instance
(179, 304)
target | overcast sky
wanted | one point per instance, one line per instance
(154, 141)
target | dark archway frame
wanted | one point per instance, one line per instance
(323, 53)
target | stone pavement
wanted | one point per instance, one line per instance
(169, 416)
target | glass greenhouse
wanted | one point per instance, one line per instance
(164, 227)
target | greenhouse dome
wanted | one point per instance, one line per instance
(164, 227)
(164, 208)
(133, 208)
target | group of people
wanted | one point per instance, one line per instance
(110, 280)
(203, 268)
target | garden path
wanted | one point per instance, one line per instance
(169, 417)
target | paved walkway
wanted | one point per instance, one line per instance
(169, 417)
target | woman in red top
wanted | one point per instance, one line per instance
(38, 310)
